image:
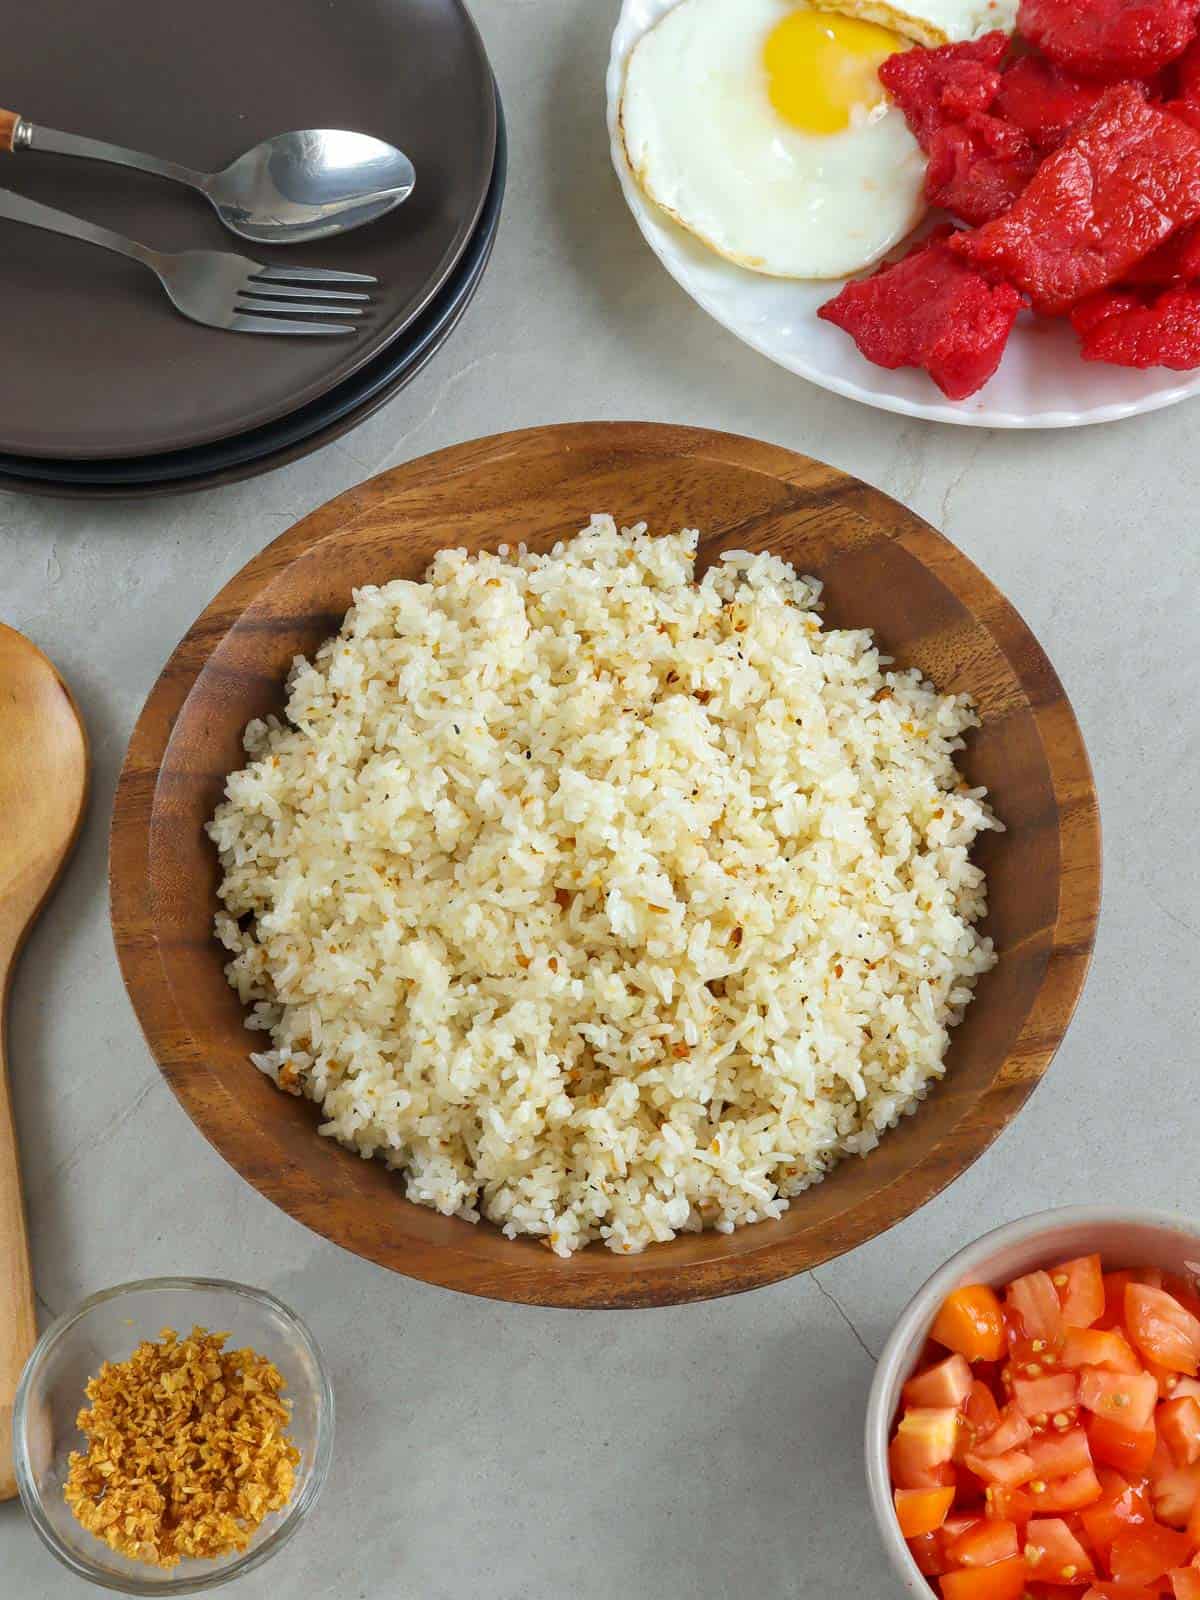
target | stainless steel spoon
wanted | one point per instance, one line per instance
(287, 190)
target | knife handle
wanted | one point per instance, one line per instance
(10, 121)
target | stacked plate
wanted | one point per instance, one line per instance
(118, 394)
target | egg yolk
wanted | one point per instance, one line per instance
(822, 69)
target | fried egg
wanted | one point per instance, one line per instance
(761, 126)
(931, 22)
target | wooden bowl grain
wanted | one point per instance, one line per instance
(883, 568)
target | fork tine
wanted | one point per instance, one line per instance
(310, 275)
(288, 291)
(293, 308)
(244, 324)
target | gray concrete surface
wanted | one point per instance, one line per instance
(704, 1451)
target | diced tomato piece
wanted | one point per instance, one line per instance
(1122, 183)
(1010, 1432)
(1178, 1422)
(981, 1413)
(1047, 1396)
(908, 1461)
(1054, 1555)
(1091, 1347)
(1035, 1300)
(1010, 1505)
(1057, 1455)
(921, 1511)
(1175, 1496)
(1114, 1292)
(1181, 1288)
(983, 1544)
(947, 1384)
(933, 1429)
(1130, 1450)
(1193, 1527)
(1184, 1387)
(1143, 1555)
(1071, 1493)
(1124, 1397)
(1109, 39)
(928, 1553)
(1080, 1286)
(1003, 1581)
(930, 310)
(1119, 1508)
(1162, 1329)
(1186, 1583)
(1009, 1470)
(944, 85)
(1042, 100)
(1118, 1591)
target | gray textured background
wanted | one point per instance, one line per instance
(701, 1451)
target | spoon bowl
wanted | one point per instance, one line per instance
(43, 789)
(309, 185)
(289, 189)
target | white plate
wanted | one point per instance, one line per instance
(1041, 382)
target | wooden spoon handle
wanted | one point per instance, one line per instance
(9, 122)
(18, 1325)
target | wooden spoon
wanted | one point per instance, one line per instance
(43, 787)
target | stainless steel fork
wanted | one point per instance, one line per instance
(216, 287)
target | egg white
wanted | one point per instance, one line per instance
(931, 22)
(706, 145)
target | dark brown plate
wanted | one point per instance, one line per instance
(94, 362)
(883, 568)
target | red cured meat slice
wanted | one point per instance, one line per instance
(929, 310)
(1110, 39)
(1123, 182)
(934, 87)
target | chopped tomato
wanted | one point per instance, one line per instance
(1193, 1527)
(1011, 1431)
(947, 1384)
(1049, 1396)
(921, 1511)
(1118, 1591)
(1093, 1347)
(1009, 1470)
(1119, 1508)
(971, 1322)
(1070, 1493)
(983, 1544)
(1035, 1300)
(1176, 1495)
(1162, 1329)
(1162, 1463)
(1003, 1581)
(1179, 1424)
(932, 1430)
(1080, 1286)
(1142, 1555)
(910, 1468)
(1183, 1291)
(1054, 1555)
(1055, 1455)
(1186, 1583)
(981, 1414)
(1115, 1284)
(1186, 1386)
(1118, 1396)
(1130, 1450)
(1168, 1382)
(929, 1555)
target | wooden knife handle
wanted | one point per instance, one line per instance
(18, 1325)
(9, 121)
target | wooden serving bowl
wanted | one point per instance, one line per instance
(882, 567)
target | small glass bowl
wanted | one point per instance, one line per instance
(107, 1328)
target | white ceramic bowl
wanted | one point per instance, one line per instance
(1041, 383)
(1123, 1238)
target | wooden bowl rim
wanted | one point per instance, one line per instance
(548, 1281)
